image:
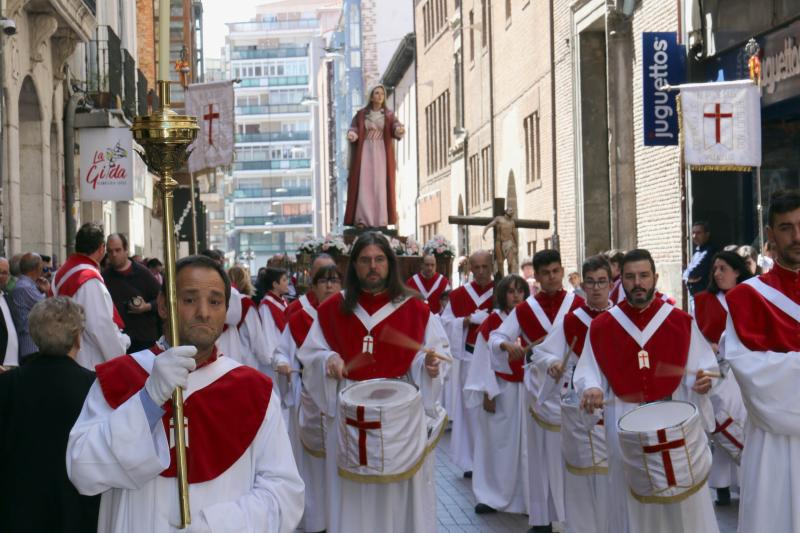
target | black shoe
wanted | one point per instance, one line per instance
(482, 508)
(723, 497)
(468, 474)
(541, 529)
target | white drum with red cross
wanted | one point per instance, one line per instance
(384, 433)
(583, 440)
(665, 451)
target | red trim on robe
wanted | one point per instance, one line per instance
(300, 323)
(223, 417)
(462, 305)
(434, 300)
(574, 328)
(550, 304)
(345, 333)
(617, 353)
(77, 279)
(278, 314)
(760, 325)
(247, 305)
(710, 316)
(489, 325)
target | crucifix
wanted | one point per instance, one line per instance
(506, 243)
(644, 359)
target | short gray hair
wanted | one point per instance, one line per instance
(55, 324)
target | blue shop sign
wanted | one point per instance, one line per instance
(664, 63)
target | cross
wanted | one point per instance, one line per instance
(644, 360)
(723, 428)
(368, 344)
(498, 208)
(172, 431)
(210, 116)
(362, 426)
(717, 115)
(664, 446)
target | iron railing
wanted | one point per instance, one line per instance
(275, 220)
(129, 100)
(104, 68)
(274, 81)
(270, 53)
(272, 164)
(272, 25)
(272, 192)
(273, 136)
(271, 109)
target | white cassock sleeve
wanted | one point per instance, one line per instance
(98, 308)
(431, 388)
(277, 496)
(314, 354)
(252, 336)
(587, 372)
(286, 353)
(480, 377)
(272, 335)
(768, 381)
(545, 354)
(456, 331)
(509, 331)
(114, 448)
(701, 357)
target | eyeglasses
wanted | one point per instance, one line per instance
(599, 284)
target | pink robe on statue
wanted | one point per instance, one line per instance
(371, 204)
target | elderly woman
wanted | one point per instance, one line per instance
(39, 403)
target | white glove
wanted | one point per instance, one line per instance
(478, 317)
(170, 370)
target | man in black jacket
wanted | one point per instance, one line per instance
(39, 403)
(134, 291)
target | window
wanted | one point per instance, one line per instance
(474, 168)
(533, 165)
(437, 128)
(471, 35)
(487, 172)
(531, 248)
(457, 83)
(484, 20)
(434, 18)
(426, 26)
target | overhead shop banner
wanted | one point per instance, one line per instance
(721, 125)
(106, 164)
(664, 63)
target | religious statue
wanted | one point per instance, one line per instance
(371, 198)
(506, 247)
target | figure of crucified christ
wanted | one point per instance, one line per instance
(506, 247)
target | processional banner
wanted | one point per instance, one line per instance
(212, 104)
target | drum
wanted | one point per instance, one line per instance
(384, 433)
(583, 440)
(312, 425)
(665, 451)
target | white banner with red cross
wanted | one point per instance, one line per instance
(721, 125)
(212, 104)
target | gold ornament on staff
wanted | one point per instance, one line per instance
(165, 136)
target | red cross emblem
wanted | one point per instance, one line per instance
(209, 117)
(723, 428)
(664, 446)
(362, 426)
(718, 115)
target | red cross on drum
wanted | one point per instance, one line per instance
(665, 451)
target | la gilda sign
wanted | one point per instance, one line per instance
(106, 164)
(663, 63)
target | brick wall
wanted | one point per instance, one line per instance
(145, 41)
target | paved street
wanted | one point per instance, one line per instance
(456, 504)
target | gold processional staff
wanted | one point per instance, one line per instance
(165, 136)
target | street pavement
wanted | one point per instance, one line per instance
(456, 504)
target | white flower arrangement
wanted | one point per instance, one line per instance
(330, 244)
(440, 247)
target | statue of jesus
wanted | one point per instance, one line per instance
(371, 198)
(506, 247)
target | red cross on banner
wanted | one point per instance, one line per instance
(718, 115)
(664, 446)
(209, 117)
(362, 426)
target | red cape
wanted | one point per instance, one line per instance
(710, 316)
(434, 300)
(462, 304)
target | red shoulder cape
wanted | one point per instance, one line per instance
(434, 300)
(528, 322)
(462, 305)
(223, 417)
(710, 316)
(489, 325)
(574, 328)
(278, 314)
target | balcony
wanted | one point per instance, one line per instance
(270, 53)
(273, 25)
(292, 220)
(129, 84)
(104, 66)
(273, 164)
(274, 81)
(272, 109)
(273, 136)
(272, 192)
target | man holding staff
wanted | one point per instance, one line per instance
(375, 329)
(242, 475)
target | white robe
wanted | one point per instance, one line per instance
(585, 496)
(399, 507)
(12, 344)
(499, 475)
(695, 514)
(464, 418)
(251, 338)
(114, 452)
(770, 469)
(228, 342)
(101, 339)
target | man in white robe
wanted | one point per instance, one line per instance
(388, 334)
(468, 307)
(762, 345)
(242, 476)
(641, 351)
(585, 487)
(533, 320)
(79, 278)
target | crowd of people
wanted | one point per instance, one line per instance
(592, 401)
